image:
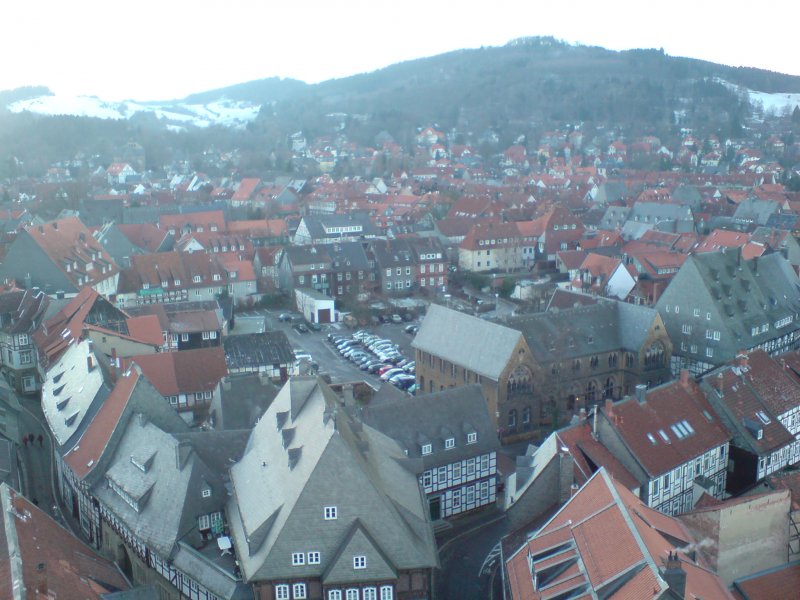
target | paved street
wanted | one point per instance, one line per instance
(463, 558)
(36, 461)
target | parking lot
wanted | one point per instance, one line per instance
(325, 354)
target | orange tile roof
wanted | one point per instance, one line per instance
(73, 570)
(146, 328)
(783, 582)
(665, 406)
(186, 371)
(84, 456)
(606, 534)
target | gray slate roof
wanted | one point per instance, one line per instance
(475, 344)
(432, 418)
(575, 332)
(739, 294)
(307, 453)
(252, 350)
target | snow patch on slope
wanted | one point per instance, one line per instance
(778, 103)
(226, 113)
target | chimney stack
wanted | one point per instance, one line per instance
(41, 579)
(641, 393)
(720, 385)
(609, 408)
(90, 363)
(675, 576)
(742, 359)
(684, 380)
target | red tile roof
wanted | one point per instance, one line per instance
(187, 371)
(609, 535)
(665, 406)
(146, 328)
(70, 570)
(773, 584)
(589, 455)
(86, 453)
(144, 235)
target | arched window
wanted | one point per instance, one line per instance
(612, 360)
(520, 381)
(526, 415)
(654, 356)
(608, 392)
(591, 392)
(576, 366)
(512, 417)
(593, 362)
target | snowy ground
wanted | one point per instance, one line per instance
(776, 103)
(222, 112)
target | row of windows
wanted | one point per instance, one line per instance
(300, 558)
(449, 443)
(439, 475)
(299, 591)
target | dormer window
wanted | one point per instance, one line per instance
(196, 278)
(206, 492)
(177, 282)
(427, 449)
(472, 437)
(145, 286)
(449, 443)
(164, 284)
(216, 277)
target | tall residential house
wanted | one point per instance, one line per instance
(21, 313)
(607, 543)
(719, 304)
(757, 397)
(187, 325)
(491, 246)
(452, 434)
(409, 265)
(323, 506)
(169, 277)
(188, 380)
(336, 269)
(669, 439)
(60, 258)
(145, 490)
(320, 229)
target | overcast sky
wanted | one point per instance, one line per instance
(156, 50)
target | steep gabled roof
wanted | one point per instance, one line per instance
(475, 344)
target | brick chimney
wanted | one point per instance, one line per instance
(674, 575)
(90, 363)
(684, 379)
(742, 359)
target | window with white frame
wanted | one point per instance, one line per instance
(206, 335)
(197, 279)
(298, 558)
(360, 562)
(334, 594)
(351, 594)
(313, 558)
(204, 522)
(184, 337)
(22, 339)
(369, 593)
(387, 592)
(427, 448)
(206, 492)
(330, 513)
(472, 437)
(282, 591)
(450, 443)
(299, 591)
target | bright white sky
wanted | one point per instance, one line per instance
(165, 49)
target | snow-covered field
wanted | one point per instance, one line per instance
(222, 112)
(776, 103)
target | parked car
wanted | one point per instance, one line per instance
(412, 329)
(377, 366)
(385, 368)
(397, 318)
(314, 326)
(300, 328)
(390, 373)
(410, 367)
(408, 317)
(284, 317)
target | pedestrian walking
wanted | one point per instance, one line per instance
(25, 441)
(31, 438)
(40, 439)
